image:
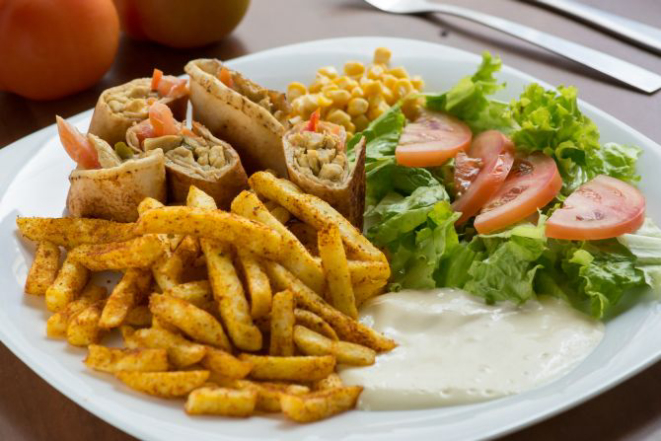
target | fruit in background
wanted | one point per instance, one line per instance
(50, 49)
(180, 24)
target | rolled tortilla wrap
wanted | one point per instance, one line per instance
(120, 107)
(251, 118)
(205, 161)
(317, 162)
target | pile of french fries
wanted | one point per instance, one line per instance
(241, 312)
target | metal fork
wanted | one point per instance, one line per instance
(620, 70)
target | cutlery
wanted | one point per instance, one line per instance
(621, 70)
(634, 31)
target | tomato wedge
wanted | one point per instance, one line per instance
(532, 183)
(77, 145)
(313, 123)
(431, 140)
(496, 154)
(603, 208)
(162, 120)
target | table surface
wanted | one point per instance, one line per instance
(32, 410)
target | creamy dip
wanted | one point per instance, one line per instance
(454, 349)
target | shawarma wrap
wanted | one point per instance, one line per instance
(193, 158)
(120, 107)
(317, 162)
(251, 118)
(108, 183)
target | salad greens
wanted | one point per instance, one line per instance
(408, 211)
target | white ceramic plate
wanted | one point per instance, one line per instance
(33, 182)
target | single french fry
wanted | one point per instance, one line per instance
(225, 364)
(84, 329)
(312, 321)
(334, 262)
(257, 283)
(229, 294)
(193, 321)
(319, 405)
(333, 381)
(282, 324)
(56, 325)
(127, 293)
(157, 323)
(198, 293)
(368, 289)
(296, 258)
(168, 271)
(297, 369)
(221, 401)
(139, 316)
(105, 359)
(364, 271)
(140, 252)
(181, 352)
(312, 343)
(172, 240)
(307, 235)
(268, 393)
(314, 211)
(213, 224)
(70, 280)
(71, 232)
(164, 384)
(200, 199)
(44, 269)
(347, 328)
(148, 204)
(281, 214)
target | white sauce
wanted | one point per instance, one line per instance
(454, 349)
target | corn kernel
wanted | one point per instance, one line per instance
(382, 55)
(340, 97)
(323, 101)
(375, 72)
(361, 122)
(340, 117)
(418, 83)
(357, 106)
(403, 87)
(377, 107)
(328, 71)
(351, 129)
(411, 106)
(329, 87)
(357, 92)
(294, 90)
(372, 88)
(320, 82)
(354, 68)
(345, 82)
(399, 72)
(389, 81)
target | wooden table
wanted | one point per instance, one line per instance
(32, 410)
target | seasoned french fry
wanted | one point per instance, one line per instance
(228, 291)
(312, 343)
(268, 393)
(347, 329)
(314, 211)
(368, 289)
(225, 364)
(168, 271)
(282, 324)
(71, 232)
(84, 329)
(193, 321)
(280, 213)
(214, 224)
(307, 235)
(181, 352)
(221, 401)
(257, 283)
(333, 381)
(70, 280)
(148, 204)
(44, 269)
(334, 261)
(157, 323)
(139, 316)
(297, 369)
(105, 359)
(164, 384)
(363, 272)
(198, 293)
(296, 258)
(127, 293)
(319, 405)
(200, 199)
(312, 321)
(140, 252)
(56, 326)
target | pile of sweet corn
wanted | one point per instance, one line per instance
(360, 95)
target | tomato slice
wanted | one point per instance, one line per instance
(532, 183)
(77, 145)
(603, 208)
(313, 123)
(162, 120)
(156, 78)
(495, 153)
(431, 140)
